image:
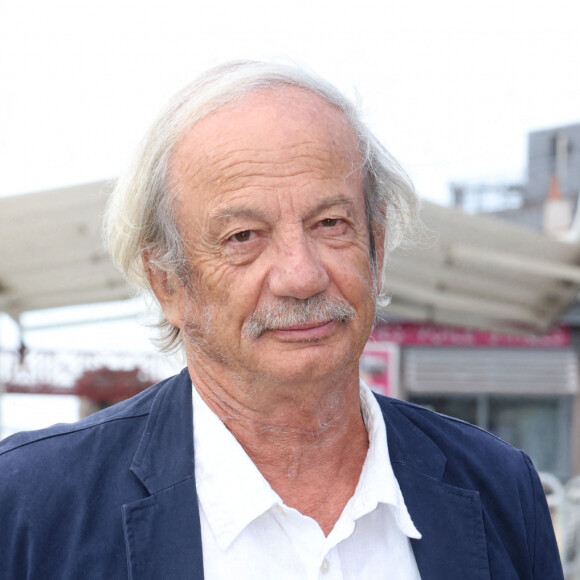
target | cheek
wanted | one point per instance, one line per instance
(361, 293)
(353, 271)
(212, 278)
(233, 293)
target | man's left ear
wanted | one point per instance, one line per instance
(379, 239)
(168, 289)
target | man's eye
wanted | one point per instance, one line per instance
(242, 236)
(329, 222)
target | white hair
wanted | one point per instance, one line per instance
(140, 217)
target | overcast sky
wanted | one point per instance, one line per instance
(451, 87)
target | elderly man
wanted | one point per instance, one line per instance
(258, 213)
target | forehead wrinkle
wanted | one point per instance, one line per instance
(287, 162)
(228, 175)
(227, 158)
(249, 179)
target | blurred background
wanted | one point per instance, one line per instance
(480, 102)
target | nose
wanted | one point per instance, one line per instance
(297, 271)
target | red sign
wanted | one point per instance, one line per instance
(432, 335)
(379, 368)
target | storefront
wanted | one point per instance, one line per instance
(522, 389)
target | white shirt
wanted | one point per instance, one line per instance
(248, 532)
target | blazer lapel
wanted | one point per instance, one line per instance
(162, 531)
(453, 543)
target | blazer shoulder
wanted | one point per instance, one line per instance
(125, 411)
(66, 460)
(471, 454)
(442, 428)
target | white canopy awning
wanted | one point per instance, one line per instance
(475, 270)
(51, 253)
(468, 270)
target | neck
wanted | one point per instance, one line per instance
(308, 440)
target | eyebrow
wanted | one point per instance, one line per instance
(237, 212)
(255, 213)
(328, 203)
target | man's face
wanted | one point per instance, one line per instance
(270, 205)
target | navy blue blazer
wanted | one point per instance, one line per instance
(113, 496)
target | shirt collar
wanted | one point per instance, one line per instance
(233, 493)
(377, 483)
(231, 490)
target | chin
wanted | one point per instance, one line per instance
(306, 367)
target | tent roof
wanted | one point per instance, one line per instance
(51, 253)
(469, 271)
(475, 270)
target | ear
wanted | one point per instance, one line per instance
(379, 233)
(168, 289)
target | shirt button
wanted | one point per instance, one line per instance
(280, 509)
(325, 566)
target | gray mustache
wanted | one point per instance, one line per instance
(288, 312)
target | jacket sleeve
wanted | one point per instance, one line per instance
(543, 547)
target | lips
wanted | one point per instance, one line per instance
(305, 332)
